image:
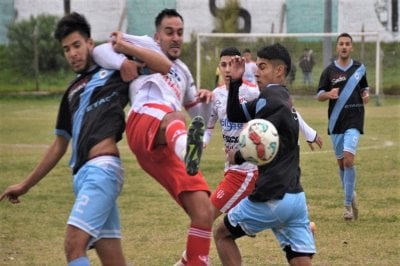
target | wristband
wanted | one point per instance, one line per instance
(316, 135)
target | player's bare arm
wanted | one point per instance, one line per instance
(329, 95)
(54, 153)
(205, 96)
(129, 70)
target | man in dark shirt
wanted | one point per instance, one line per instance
(345, 85)
(91, 115)
(277, 201)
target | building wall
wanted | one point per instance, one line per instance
(261, 16)
(140, 16)
(299, 21)
(104, 16)
(6, 17)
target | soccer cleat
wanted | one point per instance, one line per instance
(194, 145)
(348, 213)
(354, 206)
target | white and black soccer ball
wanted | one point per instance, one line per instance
(259, 141)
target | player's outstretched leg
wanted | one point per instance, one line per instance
(194, 145)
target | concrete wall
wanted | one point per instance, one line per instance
(103, 15)
(262, 16)
(6, 17)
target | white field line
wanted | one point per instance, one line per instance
(386, 144)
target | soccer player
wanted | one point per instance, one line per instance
(91, 115)
(277, 201)
(157, 134)
(239, 179)
(345, 85)
(250, 67)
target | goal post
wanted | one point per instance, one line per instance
(366, 50)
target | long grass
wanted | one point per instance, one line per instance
(154, 227)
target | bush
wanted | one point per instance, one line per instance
(21, 37)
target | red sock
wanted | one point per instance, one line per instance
(198, 246)
(174, 130)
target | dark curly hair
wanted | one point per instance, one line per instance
(71, 23)
(276, 52)
(166, 13)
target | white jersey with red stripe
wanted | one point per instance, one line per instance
(230, 130)
(176, 89)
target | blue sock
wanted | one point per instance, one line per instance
(81, 261)
(341, 174)
(349, 179)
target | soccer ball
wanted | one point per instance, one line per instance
(259, 141)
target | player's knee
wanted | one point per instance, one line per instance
(75, 243)
(291, 254)
(220, 232)
(73, 250)
(203, 216)
(348, 163)
(348, 160)
(174, 116)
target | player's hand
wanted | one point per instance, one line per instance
(205, 96)
(117, 42)
(333, 93)
(237, 67)
(317, 140)
(365, 96)
(128, 70)
(13, 192)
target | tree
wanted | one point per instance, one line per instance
(35, 34)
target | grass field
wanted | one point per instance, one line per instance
(154, 227)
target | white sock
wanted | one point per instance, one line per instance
(180, 146)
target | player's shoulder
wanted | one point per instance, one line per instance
(220, 88)
(356, 63)
(179, 63)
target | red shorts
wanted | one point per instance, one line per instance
(159, 161)
(235, 186)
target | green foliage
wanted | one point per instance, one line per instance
(22, 36)
(227, 17)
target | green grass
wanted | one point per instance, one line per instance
(154, 227)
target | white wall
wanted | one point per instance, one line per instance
(352, 15)
(103, 15)
(198, 17)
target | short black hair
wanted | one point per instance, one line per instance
(230, 51)
(166, 12)
(247, 50)
(344, 34)
(71, 23)
(276, 52)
